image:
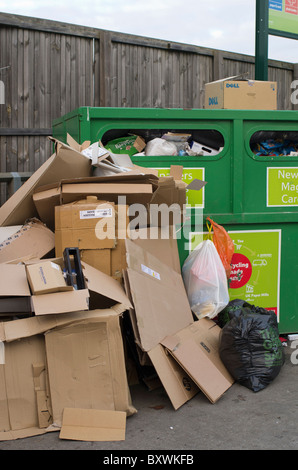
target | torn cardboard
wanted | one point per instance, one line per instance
(34, 239)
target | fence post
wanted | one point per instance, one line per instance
(105, 78)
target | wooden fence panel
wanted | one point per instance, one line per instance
(50, 68)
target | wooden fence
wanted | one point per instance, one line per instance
(49, 68)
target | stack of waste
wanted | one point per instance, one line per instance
(83, 279)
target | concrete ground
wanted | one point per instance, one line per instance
(240, 420)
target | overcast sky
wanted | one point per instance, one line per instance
(220, 24)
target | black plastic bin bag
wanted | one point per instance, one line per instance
(250, 347)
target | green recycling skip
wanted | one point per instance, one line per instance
(282, 186)
(255, 274)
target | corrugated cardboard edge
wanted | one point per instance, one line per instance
(26, 327)
(93, 425)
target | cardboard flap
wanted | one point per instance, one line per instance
(241, 76)
(14, 280)
(104, 285)
(93, 425)
(177, 383)
(160, 302)
(196, 350)
(60, 302)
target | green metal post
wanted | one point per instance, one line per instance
(261, 46)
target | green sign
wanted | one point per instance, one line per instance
(255, 274)
(282, 186)
(283, 18)
(193, 198)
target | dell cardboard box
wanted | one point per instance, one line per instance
(236, 93)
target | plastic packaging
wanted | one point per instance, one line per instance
(205, 281)
(158, 146)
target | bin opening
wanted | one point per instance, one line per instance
(274, 143)
(175, 141)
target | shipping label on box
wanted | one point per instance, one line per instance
(87, 224)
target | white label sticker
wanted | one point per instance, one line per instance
(96, 213)
(55, 266)
(150, 271)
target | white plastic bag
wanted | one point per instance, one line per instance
(205, 281)
(159, 147)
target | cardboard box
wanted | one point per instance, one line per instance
(86, 224)
(101, 291)
(110, 191)
(237, 93)
(64, 163)
(46, 277)
(28, 360)
(34, 239)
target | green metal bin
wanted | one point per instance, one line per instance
(255, 197)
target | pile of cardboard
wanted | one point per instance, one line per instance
(66, 291)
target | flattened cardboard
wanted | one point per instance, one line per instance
(18, 402)
(93, 425)
(177, 383)
(14, 290)
(195, 348)
(159, 299)
(25, 401)
(64, 163)
(92, 373)
(33, 239)
(14, 280)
